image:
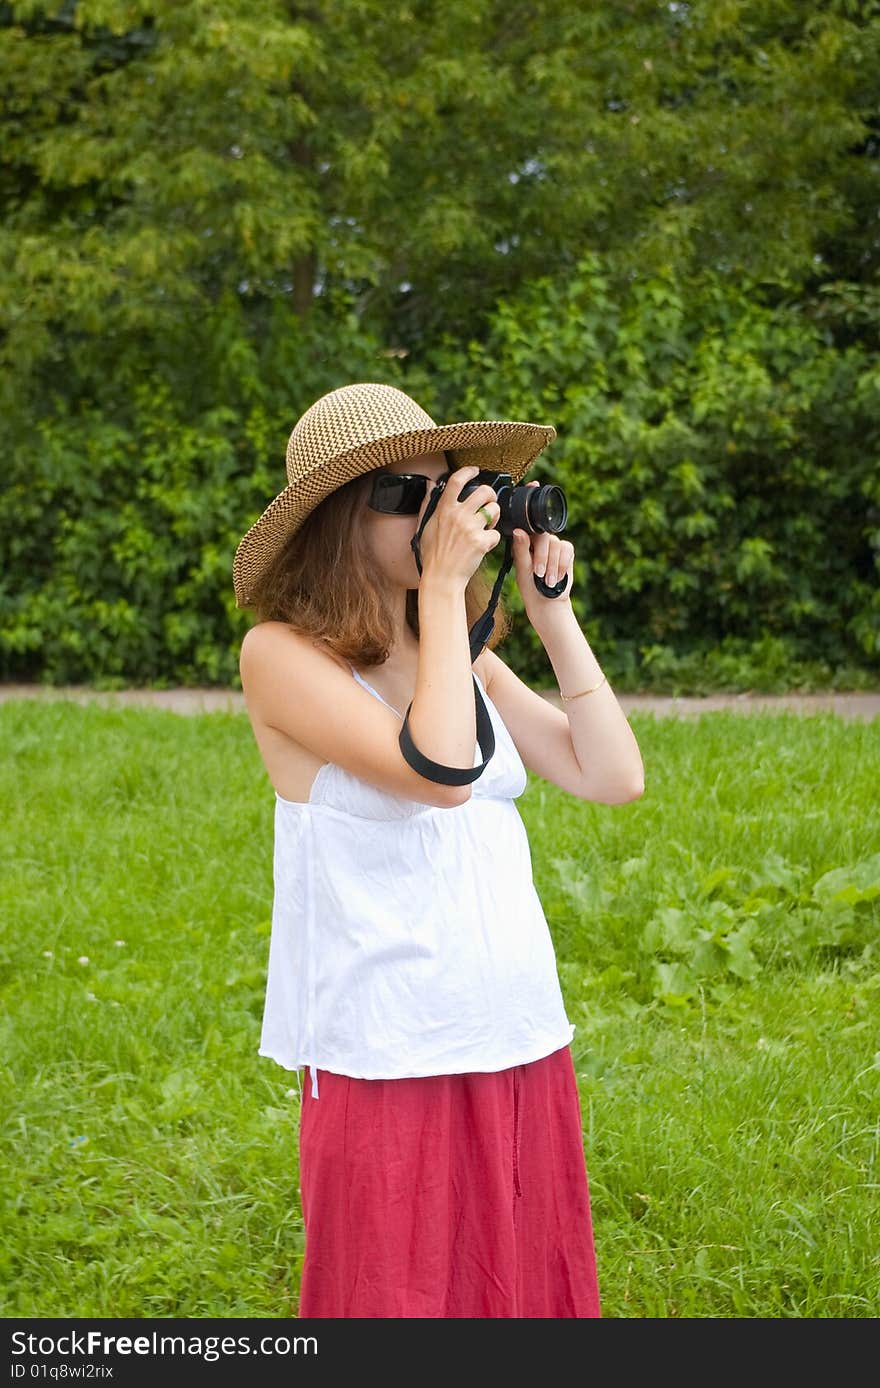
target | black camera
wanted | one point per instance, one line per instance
(532, 509)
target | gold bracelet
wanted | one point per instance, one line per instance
(568, 697)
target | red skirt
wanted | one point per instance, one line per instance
(447, 1195)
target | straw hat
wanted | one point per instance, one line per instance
(354, 429)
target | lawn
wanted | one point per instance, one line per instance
(718, 951)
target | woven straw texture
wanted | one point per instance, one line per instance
(359, 427)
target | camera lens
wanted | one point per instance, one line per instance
(547, 508)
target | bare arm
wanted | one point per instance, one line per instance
(302, 691)
(442, 719)
(603, 743)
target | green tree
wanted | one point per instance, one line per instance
(172, 164)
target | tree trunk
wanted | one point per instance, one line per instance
(304, 271)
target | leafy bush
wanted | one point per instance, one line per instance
(719, 456)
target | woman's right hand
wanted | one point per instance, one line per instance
(458, 535)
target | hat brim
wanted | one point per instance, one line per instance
(503, 445)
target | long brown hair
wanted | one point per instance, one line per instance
(352, 615)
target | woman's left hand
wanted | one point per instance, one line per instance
(550, 558)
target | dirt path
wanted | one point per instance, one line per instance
(864, 705)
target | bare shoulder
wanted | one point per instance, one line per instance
(277, 664)
(266, 638)
(295, 687)
(272, 632)
(483, 668)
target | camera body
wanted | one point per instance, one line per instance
(532, 509)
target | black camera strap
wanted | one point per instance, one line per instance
(478, 636)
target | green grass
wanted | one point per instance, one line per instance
(717, 947)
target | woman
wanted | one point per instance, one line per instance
(411, 970)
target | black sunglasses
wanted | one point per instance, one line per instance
(401, 493)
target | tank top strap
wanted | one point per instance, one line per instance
(366, 684)
(360, 679)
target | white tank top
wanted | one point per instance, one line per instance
(407, 939)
